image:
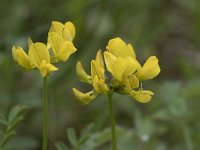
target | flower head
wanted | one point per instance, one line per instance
(61, 49)
(60, 39)
(38, 57)
(42, 56)
(122, 73)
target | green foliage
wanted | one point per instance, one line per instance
(89, 138)
(10, 123)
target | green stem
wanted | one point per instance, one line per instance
(112, 120)
(45, 115)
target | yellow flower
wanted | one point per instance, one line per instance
(61, 49)
(67, 30)
(122, 73)
(142, 96)
(22, 58)
(149, 70)
(97, 79)
(119, 48)
(97, 73)
(82, 75)
(40, 57)
(59, 44)
(126, 71)
(84, 98)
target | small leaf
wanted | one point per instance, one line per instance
(15, 112)
(72, 136)
(14, 124)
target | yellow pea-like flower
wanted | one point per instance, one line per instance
(81, 73)
(61, 49)
(119, 71)
(142, 96)
(40, 57)
(67, 30)
(100, 86)
(149, 70)
(119, 48)
(97, 79)
(96, 70)
(22, 58)
(84, 98)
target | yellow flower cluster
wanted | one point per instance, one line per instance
(42, 56)
(118, 71)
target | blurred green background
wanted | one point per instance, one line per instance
(169, 29)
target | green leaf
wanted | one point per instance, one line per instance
(71, 134)
(14, 124)
(15, 112)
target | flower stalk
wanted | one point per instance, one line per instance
(112, 121)
(45, 115)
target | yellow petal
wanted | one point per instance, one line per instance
(142, 96)
(119, 48)
(46, 68)
(66, 50)
(131, 51)
(61, 49)
(96, 70)
(110, 61)
(70, 26)
(56, 27)
(67, 35)
(133, 65)
(100, 86)
(124, 67)
(83, 76)
(149, 70)
(56, 41)
(84, 98)
(22, 58)
(99, 58)
(37, 53)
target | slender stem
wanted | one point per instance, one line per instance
(45, 115)
(112, 120)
